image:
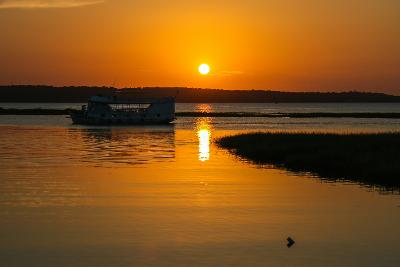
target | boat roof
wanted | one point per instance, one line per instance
(115, 100)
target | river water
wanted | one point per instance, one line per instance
(167, 196)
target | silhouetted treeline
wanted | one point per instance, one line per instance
(37, 93)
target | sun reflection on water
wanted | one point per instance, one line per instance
(203, 108)
(203, 126)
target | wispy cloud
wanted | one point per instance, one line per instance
(32, 4)
(229, 73)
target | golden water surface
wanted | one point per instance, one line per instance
(166, 196)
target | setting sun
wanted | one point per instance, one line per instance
(204, 69)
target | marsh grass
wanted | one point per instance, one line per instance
(371, 159)
(40, 111)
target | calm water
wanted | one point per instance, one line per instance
(167, 196)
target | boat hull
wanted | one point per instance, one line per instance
(80, 118)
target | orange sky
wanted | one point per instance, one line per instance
(294, 45)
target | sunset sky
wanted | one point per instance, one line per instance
(293, 45)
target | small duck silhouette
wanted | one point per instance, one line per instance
(290, 242)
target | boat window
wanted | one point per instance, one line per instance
(129, 107)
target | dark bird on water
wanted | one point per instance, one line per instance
(290, 242)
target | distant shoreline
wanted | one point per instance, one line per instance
(40, 111)
(80, 94)
(370, 159)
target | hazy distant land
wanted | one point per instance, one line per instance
(370, 159)
(79, 94)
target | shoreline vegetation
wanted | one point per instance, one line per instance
(369, 159)
(40, 111)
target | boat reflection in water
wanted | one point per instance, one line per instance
(203, 127)
(127, 145)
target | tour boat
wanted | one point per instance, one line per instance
(106, 110)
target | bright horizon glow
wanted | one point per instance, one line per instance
(204, 69)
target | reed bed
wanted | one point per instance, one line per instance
(40, 111)
(368, 158)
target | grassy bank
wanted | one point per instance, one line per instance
(290, 115)
(372, 159)
(39, 111)
(34, 111)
